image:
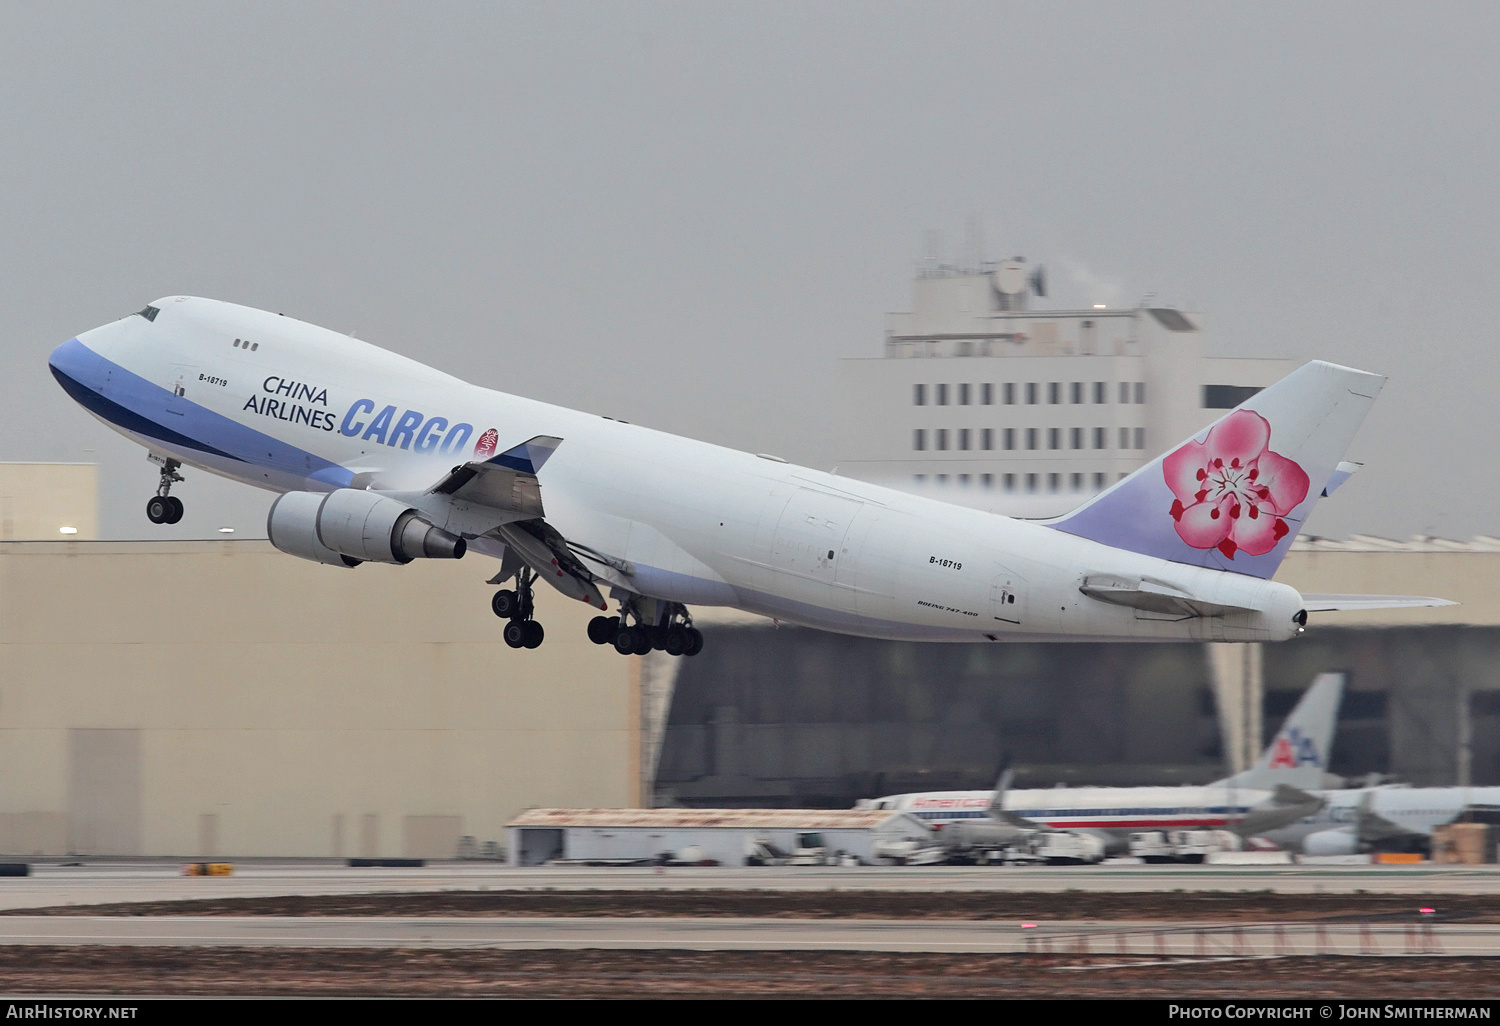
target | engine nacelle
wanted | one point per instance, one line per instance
(350, 526)
(292, 526)
(1331, 842)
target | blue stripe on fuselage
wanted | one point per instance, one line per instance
(132, 402)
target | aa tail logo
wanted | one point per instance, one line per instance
(1292, 749)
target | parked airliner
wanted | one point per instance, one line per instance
(380, 458)
(1296, 759)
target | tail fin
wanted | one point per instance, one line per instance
(1234, 495)
(1298, 755)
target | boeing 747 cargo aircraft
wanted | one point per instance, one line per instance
(379, 458)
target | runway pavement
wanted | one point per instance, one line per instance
(98, 882)
(1208, 940)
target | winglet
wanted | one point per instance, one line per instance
(528, 457)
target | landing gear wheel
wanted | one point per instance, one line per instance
(643, 641)
(677, 641)
(534, 634)
(158, 509)
(506, 605)
(625, 640)
(515, 634)
(602, 629)
(174, 512)
(695, 641)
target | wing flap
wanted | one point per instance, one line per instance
(505, 482)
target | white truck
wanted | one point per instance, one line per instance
(1193, 846)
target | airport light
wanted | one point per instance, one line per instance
(226, 530)
(1100, 306)
(67, 530)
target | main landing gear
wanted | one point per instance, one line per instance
(515, 606)
(163, 507)
(673, 634)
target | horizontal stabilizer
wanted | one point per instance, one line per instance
(1153, 596)
(1336, 603)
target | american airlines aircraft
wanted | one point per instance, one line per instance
(1296, 758)
(380, 458)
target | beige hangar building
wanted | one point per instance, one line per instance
(202, 698)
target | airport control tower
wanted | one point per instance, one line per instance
(1000, 403)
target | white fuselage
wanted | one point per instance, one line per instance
(297, 407)
(1117, 810)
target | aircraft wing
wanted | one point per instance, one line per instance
(1286, 806)
(505, 482)
(1334, 603)
(508, 483)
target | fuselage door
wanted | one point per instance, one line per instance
(181, 379)
(1007, 598)
(809, 539)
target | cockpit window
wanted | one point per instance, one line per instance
(150, 313)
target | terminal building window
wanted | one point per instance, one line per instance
(1031, 393)
(1140, 393)
(1124, 392)
(1054, 438)
(1226, 397)
(1031, 438)
(919, 395)
(963, 438)
(1010, 438)
(987, 394)
(919, 439)
(987, 438)
(1075, 393)
(987, 480)
(1054, 392)
(1010, 482)
(1077, 438)
(1010, 393)
(1099, 395)
(942, 395)
(1140, 438)
(1031, 482)
(1098, 482)
(963, 480)
(1099, 438)
(963, 395)
(1054, 482)
(1124, 438)
(1076, 482)
(942, 438)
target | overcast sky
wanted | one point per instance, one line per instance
(683, 214)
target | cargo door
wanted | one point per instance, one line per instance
(810, 534)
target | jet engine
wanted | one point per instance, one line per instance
(349, 526)
(1330, 842)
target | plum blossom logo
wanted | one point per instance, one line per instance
(485, 447)
(1231, 490)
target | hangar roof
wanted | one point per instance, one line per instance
(672, 819)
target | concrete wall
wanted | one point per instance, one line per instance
(38, 500)
(222, 698)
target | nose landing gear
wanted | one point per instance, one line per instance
(516, 606)
(163, 507)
